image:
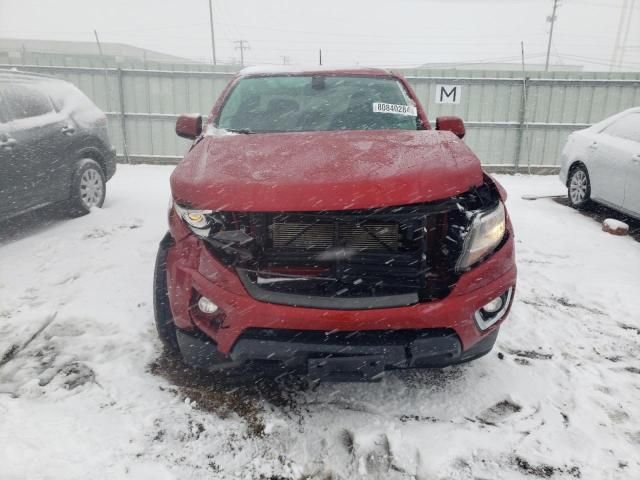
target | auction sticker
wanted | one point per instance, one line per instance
(408, 110)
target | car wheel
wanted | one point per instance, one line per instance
(579, 187)
(88, 188)
(161, 308)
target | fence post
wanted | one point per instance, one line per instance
(522, 118)
(123, 117)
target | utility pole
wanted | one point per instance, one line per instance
(522, 131)
(242, 46)
(213, 38)
(320, 52)
(552, 19)
(285, 59)
(95, 33)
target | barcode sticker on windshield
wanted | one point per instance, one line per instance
(408, 110)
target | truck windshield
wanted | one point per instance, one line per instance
(317, 103)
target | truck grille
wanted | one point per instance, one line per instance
(376, 258)
(364, 236)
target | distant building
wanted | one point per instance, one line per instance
(86, 54)
(530, 67)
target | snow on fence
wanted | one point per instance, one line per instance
(514, 121)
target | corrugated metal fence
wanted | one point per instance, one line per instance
(513, 121)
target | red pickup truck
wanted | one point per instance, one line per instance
(319, 224)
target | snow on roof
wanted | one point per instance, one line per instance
(13, 73)
(598, 126)
(288, 69)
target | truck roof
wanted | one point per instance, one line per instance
(314, 69)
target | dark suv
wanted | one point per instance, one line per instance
(54, 146)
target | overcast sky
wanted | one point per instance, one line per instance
(367, 32)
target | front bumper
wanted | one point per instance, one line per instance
(192, 270)
(344, 358)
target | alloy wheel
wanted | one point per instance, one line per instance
(578, 187)
(91, 188)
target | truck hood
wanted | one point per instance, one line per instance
(310, 171)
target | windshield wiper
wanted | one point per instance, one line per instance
(245, 131)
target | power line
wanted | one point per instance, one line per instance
(626, 33)
(622, 34)
(596, 4)
(598, 61)
(230, 25)
(455, 45)
(616, 45)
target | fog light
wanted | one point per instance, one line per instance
(494, 311)
(207, 306)
(494, 305)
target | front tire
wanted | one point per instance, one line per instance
(579, 187)
(88, 188)
(161, 307)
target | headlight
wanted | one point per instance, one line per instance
(486, 233)
(201, 222)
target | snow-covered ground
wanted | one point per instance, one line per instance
(82, 394)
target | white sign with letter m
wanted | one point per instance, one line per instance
(448, 93)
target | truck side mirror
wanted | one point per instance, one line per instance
(189, 125)
(451, 124)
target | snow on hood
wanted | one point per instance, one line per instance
(309, 171)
